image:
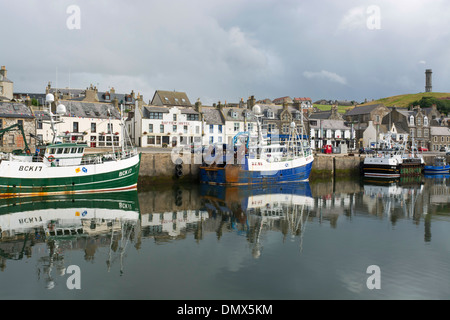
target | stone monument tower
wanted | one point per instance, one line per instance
(428, 80)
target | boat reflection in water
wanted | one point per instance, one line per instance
(254, 210)
(75, 222)
(394, 199)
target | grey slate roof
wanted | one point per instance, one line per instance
(320, 115)
(90, 109)
(15, 110)
(240, 114)
(212, 115)
(440, 131)
(331, 124)
(170, 98)
(363, 109)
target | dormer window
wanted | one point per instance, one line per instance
(107, 96)
(411, 120)
(269, 114)
(425, 121)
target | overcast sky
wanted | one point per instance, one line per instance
(225, 50)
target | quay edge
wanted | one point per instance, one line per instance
(159, 168)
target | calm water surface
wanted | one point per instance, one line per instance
(301, 241)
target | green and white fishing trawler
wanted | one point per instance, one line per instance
(65, 168)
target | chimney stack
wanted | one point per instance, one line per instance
(3, 71)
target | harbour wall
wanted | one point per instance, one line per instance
(159, 168)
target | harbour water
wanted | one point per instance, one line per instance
(347, 239)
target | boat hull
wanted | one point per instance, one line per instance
(391, 168)
(37, 179)
(437, 169)
(381, 171)
(235, 174)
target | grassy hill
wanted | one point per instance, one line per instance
(405, 100)
(326, 107)
(401, 101)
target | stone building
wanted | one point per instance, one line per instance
(413, 122)
(12, 113)
(6, 86)
(360, 117)
(440, 137)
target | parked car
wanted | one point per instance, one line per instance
(366, 150)
(447, 153)
(423, 149)
(443, 149)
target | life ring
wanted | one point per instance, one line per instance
(51, 158)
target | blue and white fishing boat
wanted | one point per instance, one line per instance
(440, 166)
(259, 160)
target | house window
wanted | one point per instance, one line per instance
(185, 129)
(419, 133)
(197, 129)
(285, 129)
(236, 126)
(192, 117)
(270, 127)
(419, 121)
(155, 115)
(250, 126)
(435, 139)
(20, 122)
(425, 133)
(150, 127)
(110, 127)
(220, 128)
(161, 128)
(211, 140)
(93, 127)
(442, 139)
(211, 128)
(75, 127)
(39, 124)
(150, 139)
(174, 117)
(174, 129)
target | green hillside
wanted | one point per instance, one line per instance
(405, 100)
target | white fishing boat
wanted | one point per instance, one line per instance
(392, 161)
